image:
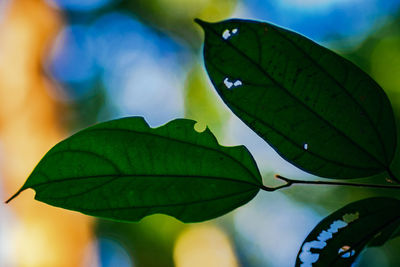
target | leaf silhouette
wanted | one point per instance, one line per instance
(339, 238)
(125, 170)
(316, 109)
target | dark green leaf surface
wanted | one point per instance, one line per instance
(339, 238)
(125, 170)
(316, 109)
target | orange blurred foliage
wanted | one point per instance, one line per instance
(29, 126)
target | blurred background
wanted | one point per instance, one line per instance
(67, 64)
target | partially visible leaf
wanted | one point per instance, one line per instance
(125, 170)
(316, 109)
(339, 238)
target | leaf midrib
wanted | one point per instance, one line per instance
(225, 154)
(121, 175)
(168, 205)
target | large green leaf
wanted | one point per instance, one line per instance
(125, 170)
(339, 238)
(316, 109)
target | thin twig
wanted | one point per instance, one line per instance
(289, 182)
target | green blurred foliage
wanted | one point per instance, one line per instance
(86, 111)
(203, 104)
(150, 243)
(379, 56)
(176, 16)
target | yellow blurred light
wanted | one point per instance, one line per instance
(182, 10)
(183, 7)
(32, 244)
(204, 246)
(202, 103)
(162, 227)
(217, 10)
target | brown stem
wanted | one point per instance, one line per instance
(289, 182)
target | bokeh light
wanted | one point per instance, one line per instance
(113, 254)
(204, 245)
(140, 69)
(272, 237)
(324, 20)
(72, 62)
(78, 5)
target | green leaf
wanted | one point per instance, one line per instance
(125, 170)
(339, 238)
(316, 109)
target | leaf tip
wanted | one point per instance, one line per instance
(15, 195)
(12, 197)
(202, 23)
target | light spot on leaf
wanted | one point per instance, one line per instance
(305, 146)
(307, 256)
(346, 252)
(227, 83)
(237, 83)
(350, 217)
(226, 34)
(230, 84)
(324, 236)
(336, 225)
